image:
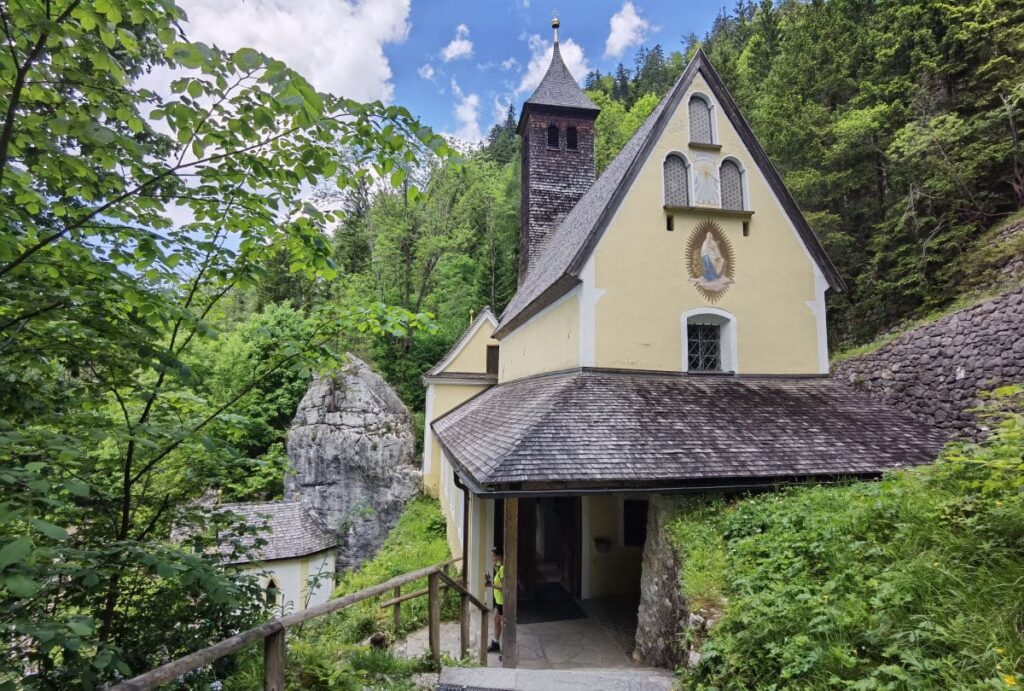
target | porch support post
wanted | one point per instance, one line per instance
(509, 646)
(464, 611)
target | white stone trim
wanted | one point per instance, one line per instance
(464, 341)
(590, 295)
(729, 345)
(817, 307)
(428, 434)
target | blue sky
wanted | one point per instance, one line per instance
(455, 63)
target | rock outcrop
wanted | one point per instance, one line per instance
(936, 371)
(352, 445)
(662, 615)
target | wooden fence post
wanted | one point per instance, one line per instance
(273, 661)
(434, 616)
(397, 613)
(464, 614)
(483, 638)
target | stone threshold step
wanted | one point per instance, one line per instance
(592, 679)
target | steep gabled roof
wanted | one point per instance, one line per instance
(558, 88)
(567, 249)
(608, 429)
(485, 315)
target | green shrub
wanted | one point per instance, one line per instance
(915, 581)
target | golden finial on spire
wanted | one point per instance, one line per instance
(555, 24)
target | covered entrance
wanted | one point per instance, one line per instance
(572, 568)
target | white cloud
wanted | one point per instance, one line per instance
(510, 64)
(459, 47)
(338, 46)
(427, 72)
(500, 109)
(467, 113)
(628, 28)
(540, 59)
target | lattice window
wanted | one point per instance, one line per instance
(676, 183)
(571, 139)
(731, 178)
(704, 347)
(700, 121)
(552, 136)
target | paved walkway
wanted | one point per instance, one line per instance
(568, 644)
(636, 679)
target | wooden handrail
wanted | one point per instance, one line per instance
(170, 671)
(455, 585)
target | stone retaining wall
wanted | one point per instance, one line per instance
(936, 371)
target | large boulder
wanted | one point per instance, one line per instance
(352, 445)
(662, 615)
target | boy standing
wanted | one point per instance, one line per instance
(499, 596)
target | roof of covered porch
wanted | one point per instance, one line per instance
(600, 430)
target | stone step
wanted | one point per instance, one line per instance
(588, 679)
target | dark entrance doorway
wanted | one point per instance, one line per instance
(550, 570)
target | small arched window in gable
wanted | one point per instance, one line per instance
(553, 136)
(676, 181)
(571, 139)
(271, 592)
(731, 178)
(700, 120)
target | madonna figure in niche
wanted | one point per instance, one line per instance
(710, 260)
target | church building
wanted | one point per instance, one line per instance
(668, 336)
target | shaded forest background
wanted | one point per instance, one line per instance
(895, 125)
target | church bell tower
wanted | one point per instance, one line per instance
(557, 130)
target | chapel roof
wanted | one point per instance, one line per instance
(567, 248)
(558, 88)
(288, 530)
(618, 428)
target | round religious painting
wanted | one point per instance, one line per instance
(709, 259)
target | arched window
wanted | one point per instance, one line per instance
(700, 121)
(571, 139)
(731, 179)
(271, 592)
(709, 341)
(676, 181)
(553, 136)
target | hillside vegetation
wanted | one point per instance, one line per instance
(916, 581)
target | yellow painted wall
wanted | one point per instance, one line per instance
(446, 397)
(642, 266)
(473, 356)
(547, 343)
(617, 571)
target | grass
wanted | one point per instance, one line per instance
(915, 581)
(327, 654)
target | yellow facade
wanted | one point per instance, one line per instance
(547, 343)
(617, 570)
(641, 266)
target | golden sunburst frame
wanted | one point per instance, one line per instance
(709, 260)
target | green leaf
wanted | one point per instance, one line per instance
(20, 585)
(15, 551)
(49, 529)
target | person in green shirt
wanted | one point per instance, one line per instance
(497, 585)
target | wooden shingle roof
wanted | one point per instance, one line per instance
(566, 250)
(593, 428)
(285, 525)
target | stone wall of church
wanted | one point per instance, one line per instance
(936, 371)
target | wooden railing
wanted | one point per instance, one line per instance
(272, 633)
